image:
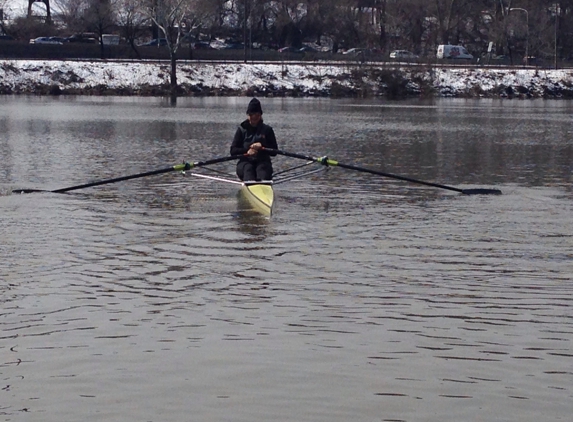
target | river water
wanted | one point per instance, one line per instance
(362, 299)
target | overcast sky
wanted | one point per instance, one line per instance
(15, 8)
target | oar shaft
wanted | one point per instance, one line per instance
(178, 167)
(114, 180)
(395, 176)
(329, 162)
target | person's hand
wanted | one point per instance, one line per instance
(252, 151)
(257, 146)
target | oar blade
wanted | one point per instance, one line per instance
(480, 191)
(18, 191)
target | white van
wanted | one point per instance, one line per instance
(453, 52)
(110, 39)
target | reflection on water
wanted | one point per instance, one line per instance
(250, 221)
(362, 298)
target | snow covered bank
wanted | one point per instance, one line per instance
(141, 78)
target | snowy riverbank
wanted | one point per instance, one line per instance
(137, 78)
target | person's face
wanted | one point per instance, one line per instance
(254, 118)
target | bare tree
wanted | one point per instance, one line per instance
(563, 20)
(346, 25)
(2, 5)
(542, 27)
(449, 15)
(288, 15)
(311, 23)
(71, 12)
(217, 12)
(209, 18)
(172, 17)
(99, 17)
(131, 21)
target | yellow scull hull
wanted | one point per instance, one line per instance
(260, 196)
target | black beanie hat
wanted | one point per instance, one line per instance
(254, 107)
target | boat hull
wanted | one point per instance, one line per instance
(260, 196)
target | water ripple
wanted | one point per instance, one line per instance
(359, 300)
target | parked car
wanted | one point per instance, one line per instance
(46, 40)
(85, 38)
(495, 59)
(110, 39)
(359, 52)
(288, 50)
(307, 49)
(156, 42)
(7, 38)
(455, 52)
(201, 45)
(234, 46)
(531, 61)
(403, 54)
(352, 51)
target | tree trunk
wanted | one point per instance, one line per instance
(382, 24)
(173, 84)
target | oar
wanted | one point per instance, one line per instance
(178, 167)
(329, 162)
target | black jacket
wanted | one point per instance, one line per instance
(246, 135)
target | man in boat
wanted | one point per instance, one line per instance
(251, 137)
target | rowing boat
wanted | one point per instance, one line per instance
(260, 194)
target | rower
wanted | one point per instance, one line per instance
(251, 138)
